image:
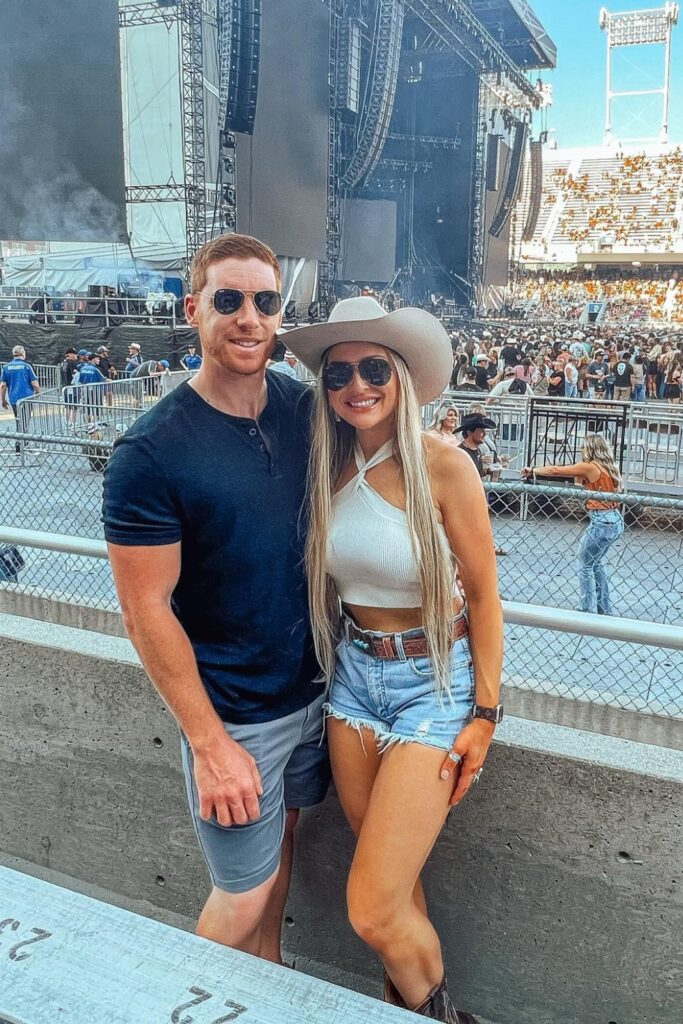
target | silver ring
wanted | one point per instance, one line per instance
(477, 775)
(452, 756)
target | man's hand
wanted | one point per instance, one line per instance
(470, 750)
(5, 404)
(228, 782)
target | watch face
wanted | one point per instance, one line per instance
(489, 714)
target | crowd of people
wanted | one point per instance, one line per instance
(631, 298)
(632, 200)
(595, 362)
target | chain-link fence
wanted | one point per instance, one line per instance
(55, 486)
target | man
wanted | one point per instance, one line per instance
(481, 366)
(18, 381)
(286, 365)
(473, 427)
(624, 378)
(596, 374)
(90, 397)
(192, 361)
(107, 370)
(134, 357)
(202, 504)
(470, 382)
(511, 353)
(67, 369)
(506, 387)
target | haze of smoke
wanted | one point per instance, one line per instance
(42, 195)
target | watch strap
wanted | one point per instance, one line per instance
(494, 714)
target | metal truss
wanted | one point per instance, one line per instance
(476, 260)
(379, 104)
(454, 21)
(171, 193)
(190, 15)
(437, 141)
(327, 271)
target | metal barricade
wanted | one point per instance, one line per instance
(104, 411)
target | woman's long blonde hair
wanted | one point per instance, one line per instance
(596, 449)
(440, 415)
(331, 449)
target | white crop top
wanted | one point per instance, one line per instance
(369, 554)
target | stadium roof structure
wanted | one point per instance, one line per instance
(515, 25)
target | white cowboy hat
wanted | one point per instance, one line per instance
(415, 335)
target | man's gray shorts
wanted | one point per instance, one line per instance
(295, 773)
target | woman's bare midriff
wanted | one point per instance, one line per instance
(391, 620)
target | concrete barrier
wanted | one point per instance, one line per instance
(70, 957)
(556, 886)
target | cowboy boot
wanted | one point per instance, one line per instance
(391, 994)
(438, 1006)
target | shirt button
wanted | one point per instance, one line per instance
(252, 432)
(263, 447)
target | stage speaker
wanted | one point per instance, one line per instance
(535, 190)
(493, 152)
(513, 180)
(245, 52)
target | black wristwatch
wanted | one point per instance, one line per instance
(494, 715)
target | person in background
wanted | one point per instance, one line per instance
(582, 384)
(470, 382)
(571, 379)
(134, 357)
(624, 378)
(596, 375)
(596, 472)
(481, 375)
(191, 361)
(639, 367)
(474, 427)
(672, 389)
(67, 369)
(556, 381)
(445, 423)
(653, 355)
(286, 365)
(18, 381)
(107, 370)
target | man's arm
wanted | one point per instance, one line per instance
(3, 395)
(226, 776)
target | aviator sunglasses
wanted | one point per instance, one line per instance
(373, 370)
(228, 300)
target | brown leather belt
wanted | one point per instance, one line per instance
(385, 646)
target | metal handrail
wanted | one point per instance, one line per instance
(558, 620)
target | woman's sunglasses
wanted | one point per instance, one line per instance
(228, 300)
(373, 370)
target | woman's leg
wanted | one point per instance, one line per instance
(601, 583)
(405, 813)
(355, 763)
(587, 554)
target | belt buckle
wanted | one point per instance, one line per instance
(387, 647)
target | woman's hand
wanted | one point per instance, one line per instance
(470, 749)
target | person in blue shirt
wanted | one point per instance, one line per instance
(18, 381)
(191, 361)
(91, 398)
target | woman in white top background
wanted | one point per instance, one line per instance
(414, 681)
(445, 422)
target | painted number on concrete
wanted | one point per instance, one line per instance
(200, 996)
(10, 925)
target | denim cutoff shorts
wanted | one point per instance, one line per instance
(397, 699)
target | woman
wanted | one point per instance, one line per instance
(672, 390)
(391, 510)
(653, 370)
(445, 423)
(597, 472)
